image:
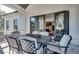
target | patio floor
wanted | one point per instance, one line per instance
(74, 49)
(4, 49)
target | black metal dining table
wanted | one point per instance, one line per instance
(44, 40)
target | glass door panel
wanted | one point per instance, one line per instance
(34, 22)
(1, 26)
(61, 24)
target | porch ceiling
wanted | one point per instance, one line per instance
(24, 5)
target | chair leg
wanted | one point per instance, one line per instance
(9, 50)
(13, 51)
(45, 49)
(21, 52)
(18, 52)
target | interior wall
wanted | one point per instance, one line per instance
(49, 18)
(39, 9)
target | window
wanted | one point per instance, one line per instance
(34, 22)
(1, 26)
(37, 23)
(15, 24)
(7, 25)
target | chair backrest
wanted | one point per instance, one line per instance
(28, 44)
(44, 33)
(12, 42)
(65, 40)
(2, 39)
(15, 33)
(35, 32)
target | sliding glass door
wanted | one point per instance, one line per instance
(34, 24)
(37, 23)
(61, 24)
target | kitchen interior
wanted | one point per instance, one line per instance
(56, 24)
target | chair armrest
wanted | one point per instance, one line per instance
(53, 43)
(39, 47)
(58, 46)
(63, 46)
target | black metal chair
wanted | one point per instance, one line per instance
(13, 44)
(60, 47)
(15, 32)
(29, 45)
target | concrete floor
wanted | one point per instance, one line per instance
(73, 49)
(4, 49)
